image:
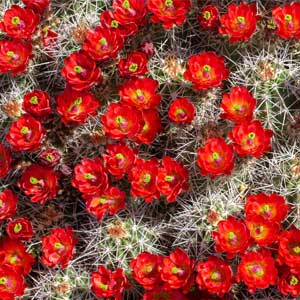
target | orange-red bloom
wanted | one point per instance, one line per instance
(209, 17)
(13, 253)
(215, 276)
(39, 182)
(169, 12)
(58, 247)
(111, 201)
(5, 161)
(206, 70)
(182, 111)
(257, 270)
(75, 107)
(271, 207)
(130, 11)
(287, 19)
(240, 22)
(172, 178)
(8, 204)
(177, 269)
(119, 159)
(103, 43)
(14, 56)
(143, 179)
(263, 232)
(140, 93)
(49, 38)
(146, 270)
(289, 283)
(90, 176)
(232, 237)
(37, 5)
(12, 283)
(289, 248)
(25, 134)
(106, 283)
(19, 22)
(151, 126)
(251, 139)
(80, 71)
(215, 158)
(50, 157)
(136, 64)
(37, 103)
(121, 121)
(20, 229)
(238, 105)
(108, 20)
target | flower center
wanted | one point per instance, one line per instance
(297, 249)
(294, 280)
(34, 100)
(78, 101)
(169, 178)
(3, 280)
(176, 270)
(215, 156)
(241, 19)
(168, 3)
(24, 130)
(17, 228)
(1, 202)
(206, 68)
(215, 275)
(10, 53)
(33, 180)
(88, 176)
(103, 286)
(180, 113)
(49, 157)
(102, 201)
(288, 17)
(147, 178)
(58, 246)
(207, 15)
(133, 67)
(15, 20)
(139, 94)
(251, 135)
(258, 270)
(126, 4)
(232, 237)
(114, 24)
(78, 69)
(119, 156)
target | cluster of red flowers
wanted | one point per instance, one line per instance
(266, 257)
(248, 135)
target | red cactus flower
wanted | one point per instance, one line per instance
(19, 22)
(287, 19)
(80, 71)
(49, 37)
(50, 157)
(5, 161)
(143, 179)
(251, 139)
(108, 20)
(206, 70)
(134, 65)
(25, 134)
(215, 158)
(103, 43)
(169, 12)
(14, 56)
(8, 204)
(209, 17)
(119, 159)
(257, 270)
(39, 182)
(163, 293)
(19, 229)
(289, 248)
(12, 283)
(90, 177)
(176, 269)
(58, 247)
(240, 22)
(37, 103)
(182, 111)
(232, 237)
(289, 283)
(106, 283)
(239, 105)
(214, 275)
(111, 201)
(75, 107)
(140, 93)
(271, 207)
(37, 5)
(13, 253)
(146, 270)
(121, 121)
(172, 178)
(151, 127)
(130, 11)
(263, 232)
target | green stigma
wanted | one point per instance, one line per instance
(294, 280)
(103, 286)
(147, 178)
(297, 250)
(119, 156)
(206, 15)
(133, 67)
(169, 178)
(78, 69)
(1, 203)
(114, 24)
(49, 157)
(251, 135)
(231, 235)
(88, 176)
(10, 53)
(126, 4)
(215, 156)
(3, 280)
(206, 68)
(288, 17)
(168, 3)
(34, 100)
(215, 275)
(17, 228)
(103, 41)
(241, 19)
(78, 101)
(33, 180)
(15, 20)
(175, 270)
(24, 130)
(58, 246)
